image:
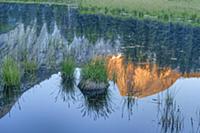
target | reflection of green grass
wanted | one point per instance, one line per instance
(10, 73)
(67, 68)
(97, 106)
(95, 71)
(67, 91)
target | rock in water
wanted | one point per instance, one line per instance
(89, 87)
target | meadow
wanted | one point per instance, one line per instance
(187, 11)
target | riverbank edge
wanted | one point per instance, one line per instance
(89, 11)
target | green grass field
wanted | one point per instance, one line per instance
(166, 10)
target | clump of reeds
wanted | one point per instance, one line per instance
(29, 66)
(10, 73)
(95, 70)
(67, 68)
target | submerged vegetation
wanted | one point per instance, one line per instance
(10, 73)
(68, 68)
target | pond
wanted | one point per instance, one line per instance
(156, 89)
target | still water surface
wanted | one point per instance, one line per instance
(157, 69)
(48, 108)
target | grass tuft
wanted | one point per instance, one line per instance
(95, 70)
(29, 66)
(10, 73)
(67, 68)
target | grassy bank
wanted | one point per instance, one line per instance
(52, 2)
(165, 10)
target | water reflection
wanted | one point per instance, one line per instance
(195, 122)
(51, 32)
(97, 106)
(8, 98)
(67, 91)
(133, 81)
(171, 119)
(128, 106)
(155, 56)
(142, 79)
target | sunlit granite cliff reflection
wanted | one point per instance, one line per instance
(141, 80)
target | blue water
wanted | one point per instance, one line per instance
(50, 33)
(44, 109)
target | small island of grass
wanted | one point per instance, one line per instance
(94, 77)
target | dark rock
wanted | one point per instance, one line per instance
(89, 87)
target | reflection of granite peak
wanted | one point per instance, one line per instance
(47, 48)
(141, 80)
